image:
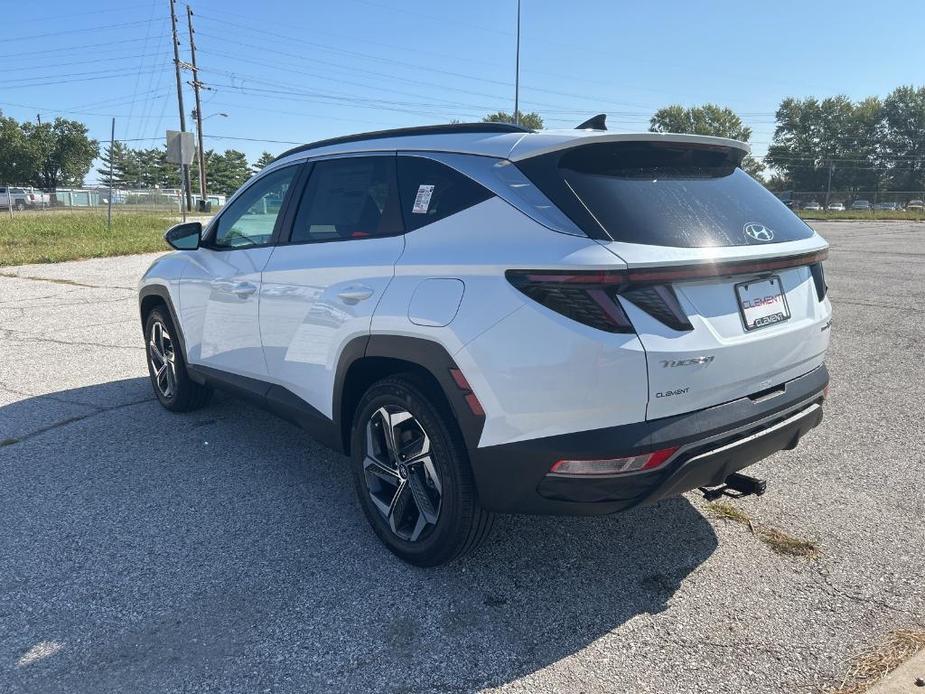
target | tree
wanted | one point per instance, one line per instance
(265, 160)
(903, 138)
(227, 172)
(116, 160)
(61, 151)
(528, 120)
(16, 164)
(708, 119)
(813, 137)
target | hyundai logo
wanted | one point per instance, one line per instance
(759, 232)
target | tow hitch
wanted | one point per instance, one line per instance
(736, 486)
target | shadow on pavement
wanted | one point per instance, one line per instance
(223, 550)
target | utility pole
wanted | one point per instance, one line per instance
(112, 156)
(196, 87)
(176, 64)
(38, 117)
(828, 191)
(517, 72)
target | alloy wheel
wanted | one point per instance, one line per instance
(163, 360)
(400, 475)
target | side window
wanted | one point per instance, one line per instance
(431, 191)
(349, 198)
(249, 221)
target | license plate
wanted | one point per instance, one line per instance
(762, 302)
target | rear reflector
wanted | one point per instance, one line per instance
(613, 466)
(471, 400)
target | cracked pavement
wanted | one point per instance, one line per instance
(223, 550)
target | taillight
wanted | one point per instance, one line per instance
(590, 296)
(587, 297)
(819, 280)
(613, 466)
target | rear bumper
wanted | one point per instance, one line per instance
(712, 444)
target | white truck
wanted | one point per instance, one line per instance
(23, 198)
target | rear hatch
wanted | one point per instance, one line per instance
(724, 284)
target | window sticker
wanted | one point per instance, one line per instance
(422, 199)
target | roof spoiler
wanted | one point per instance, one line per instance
(551, 141)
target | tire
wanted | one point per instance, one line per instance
(424, 508)
(172, 385)
(20, 205)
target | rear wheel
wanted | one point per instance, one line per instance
(412, 475)
(173, 387)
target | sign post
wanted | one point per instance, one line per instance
(181, 150)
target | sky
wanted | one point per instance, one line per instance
(288, 72)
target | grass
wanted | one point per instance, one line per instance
(37, 237)
(874, 664)
(723, 510)
(777, 540)
(823, 215)
(787, 545)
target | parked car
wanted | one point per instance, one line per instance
(485, 320)
(915, 205)
(836, 207)
(813, 206)
(19, 198)
(887, 206)
(861, 205)
(38, 197)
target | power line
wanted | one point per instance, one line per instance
(94, 30)
(104, 45)
(109, 76)
(144, 52)
(109, 10)
(301, 41)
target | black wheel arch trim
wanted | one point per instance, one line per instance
(333, 432)
(162, 293)
(426, 354)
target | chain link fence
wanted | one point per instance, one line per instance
(889, 200)
(27, 200)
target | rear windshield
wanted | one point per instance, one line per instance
(664, 194)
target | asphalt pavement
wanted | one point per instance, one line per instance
(223, 550)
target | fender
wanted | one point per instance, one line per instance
(427, 354)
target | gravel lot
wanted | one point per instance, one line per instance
(224, 551)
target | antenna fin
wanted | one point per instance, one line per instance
(598, 122)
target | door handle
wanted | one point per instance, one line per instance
(242, 290)
(352, 295)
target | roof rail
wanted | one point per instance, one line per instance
(448, 129)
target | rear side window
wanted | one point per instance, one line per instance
(664, 194)
(431, 191)
(350, 198)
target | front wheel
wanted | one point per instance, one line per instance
(173, 387)
(412, 475)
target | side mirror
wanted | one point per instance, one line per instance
(184, 237)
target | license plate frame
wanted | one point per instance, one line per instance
(762, 315)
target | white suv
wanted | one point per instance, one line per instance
(489, 319)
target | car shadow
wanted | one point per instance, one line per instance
(224, 550)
